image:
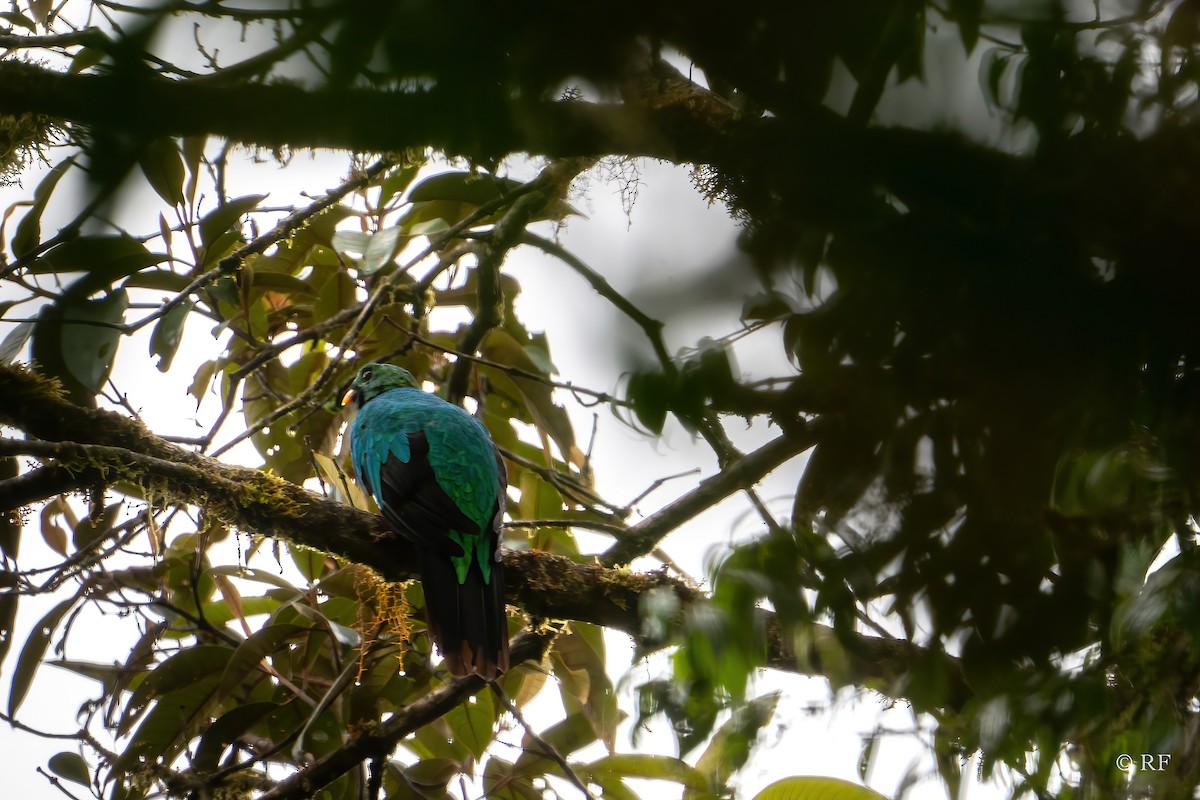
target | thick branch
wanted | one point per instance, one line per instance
(35, 486)
(120, 448)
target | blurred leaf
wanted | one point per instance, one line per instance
(79, 354)
(106, 674)
(396, 181)
(85, 58)
(14, 341)
(168, 333)
(33, 651)
(285, 284)
(18, 19)
(816, 789)
(8, 616)
(40, 10)
(160, 279)
(652, 767)
(349, 242)
(252, 574)
(163, 168)
(89, 530)
(29, 229)
(70, 766)
(730, 746)
(968, 14)
(103, 260)
(470, 189)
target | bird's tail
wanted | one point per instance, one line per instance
(467, 621)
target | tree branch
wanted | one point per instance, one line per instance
(542, 584)
(383, 739)
(742, 473)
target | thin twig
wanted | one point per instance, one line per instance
(383, 290)
(548, 750)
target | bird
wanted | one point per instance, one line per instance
(440, 484)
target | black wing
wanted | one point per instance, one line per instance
(416, 506)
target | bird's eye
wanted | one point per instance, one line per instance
(366, 374)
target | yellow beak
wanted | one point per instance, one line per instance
(349, 396)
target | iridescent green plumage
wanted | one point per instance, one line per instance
(434, 472)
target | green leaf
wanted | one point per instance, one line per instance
(163, 168)
(182, 669)
(252, 574)
(251, 652)
(798, 788)
(382, 248)
(161, 279)
(730, 746)
(499, 783)
(103, 259)
(280, 282)
(29, 229)
(33, 652)
(573, 733)
(88, 530)
(396, 181)
(652, 767)
(461, 187)
(171, 722)
(474, 723)
(70, 766)
(350, 242)
(79, 354)
(225, 730)
(549, 417)
(579, 665)
(84, 58)
(105, 674)
(221, 227)
(168, 333)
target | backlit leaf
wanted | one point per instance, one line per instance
(70, 766)
(816, 789)
(33, 652)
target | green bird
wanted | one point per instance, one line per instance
(440, 484)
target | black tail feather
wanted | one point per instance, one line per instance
(467, 621)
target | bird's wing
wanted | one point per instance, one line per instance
(415, 504)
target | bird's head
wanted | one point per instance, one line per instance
(375, 379)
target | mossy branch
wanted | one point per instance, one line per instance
(96, 441)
